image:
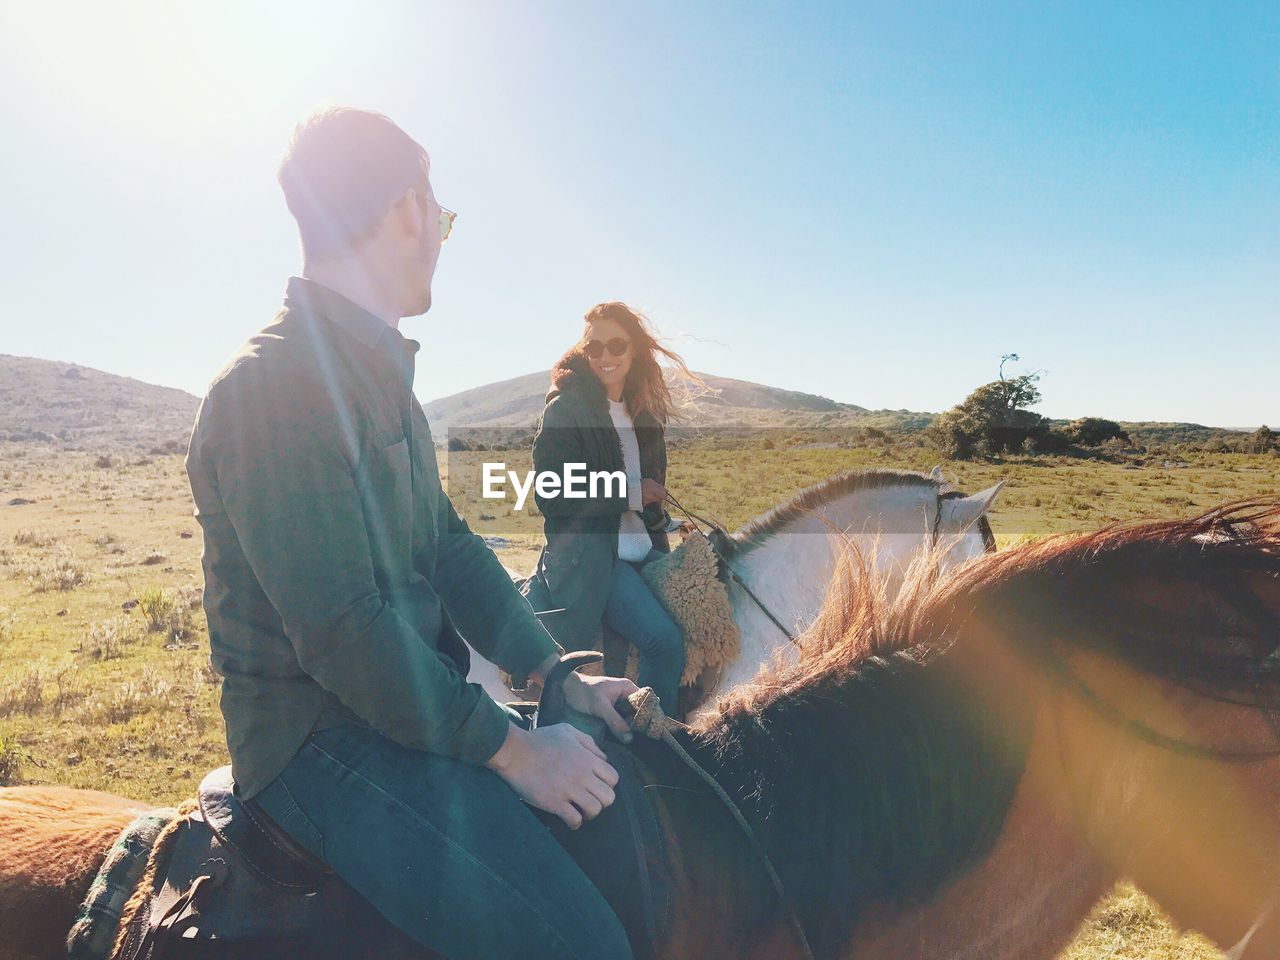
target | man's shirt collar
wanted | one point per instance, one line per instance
(320, 300)
(370, 330)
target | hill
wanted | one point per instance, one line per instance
(82, 408)
(725, 402)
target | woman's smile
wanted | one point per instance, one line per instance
(610, 368)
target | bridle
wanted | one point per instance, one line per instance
(733, 574)
(728, 566)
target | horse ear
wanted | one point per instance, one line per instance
(964, 511)
(936, 476)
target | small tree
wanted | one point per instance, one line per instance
(992, 419)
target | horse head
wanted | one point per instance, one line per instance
(785, 558)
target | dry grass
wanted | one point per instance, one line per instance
(59, 572)
(107, 639)
(1128, 926)
(10, 761)
(149, 691)
(23, 694)
(96, 698)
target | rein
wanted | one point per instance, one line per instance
(733, 574)
(646, 716)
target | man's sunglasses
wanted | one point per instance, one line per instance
(446, 217)
(594, 349)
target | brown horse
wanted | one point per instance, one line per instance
(961, 773)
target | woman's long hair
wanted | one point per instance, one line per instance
(646, 388)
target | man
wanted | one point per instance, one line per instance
(336, 570)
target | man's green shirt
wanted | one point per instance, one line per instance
(338, 578)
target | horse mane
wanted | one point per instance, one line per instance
(874, 771)
(811, 498)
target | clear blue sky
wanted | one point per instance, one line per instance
(870, 201)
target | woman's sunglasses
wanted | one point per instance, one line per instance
(594, 349)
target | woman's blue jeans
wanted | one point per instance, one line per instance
(634, 613)
(444, 849)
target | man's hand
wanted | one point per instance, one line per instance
(651, 491)
(558, 769)
(596, 697)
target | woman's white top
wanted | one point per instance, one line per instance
(633, 537)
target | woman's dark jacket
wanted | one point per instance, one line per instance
(575, 570)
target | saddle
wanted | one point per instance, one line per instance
(232, 885)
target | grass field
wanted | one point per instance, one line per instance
(103, 650)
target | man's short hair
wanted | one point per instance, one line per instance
(342, 170)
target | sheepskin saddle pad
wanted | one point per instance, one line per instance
(688, 582)
(222, 881)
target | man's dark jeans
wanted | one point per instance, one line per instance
(444, 849)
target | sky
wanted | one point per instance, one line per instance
(868, 201)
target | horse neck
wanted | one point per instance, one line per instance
(788, 571)
(1025, 897)
(870, 792)
(789, 568)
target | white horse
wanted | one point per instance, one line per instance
(787, 556)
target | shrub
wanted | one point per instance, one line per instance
(107, 639)
(148, 692)
(1042, 440)
(33, 538)
(154, 557)
(950, 437)
(191, 596)
(1114, 447)
(67, 691)
(156, 606)
(1262, 440)
(165, 613)
(61, 572)
(10, 761)
(109, 543)
(104, 462)
(22, 695)
(1094, 431)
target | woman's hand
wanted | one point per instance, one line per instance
(651, 491)
(596, 697)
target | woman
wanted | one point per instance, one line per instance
(607, 408)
